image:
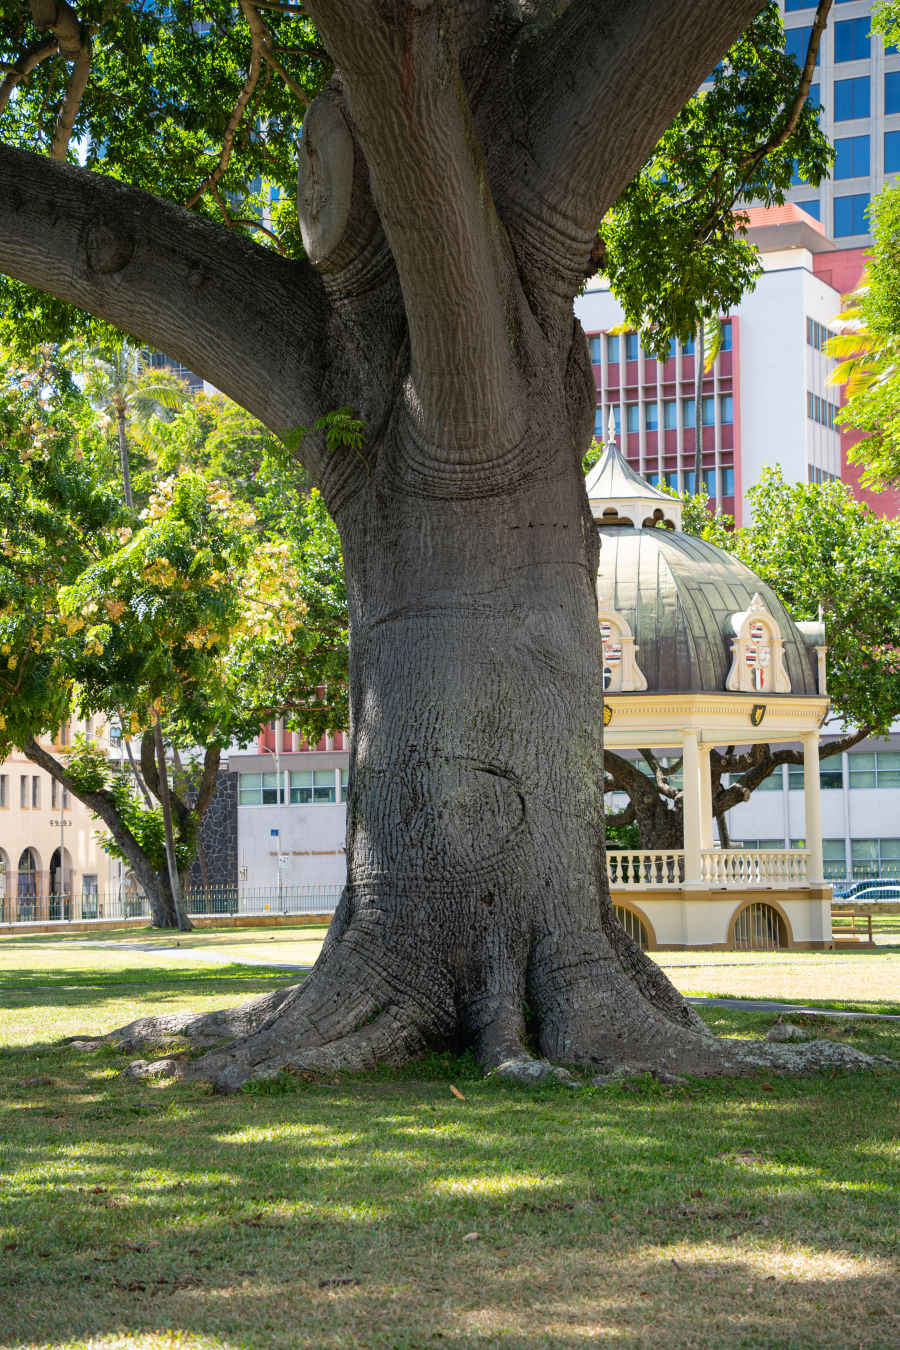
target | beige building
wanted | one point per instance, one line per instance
(51, 863)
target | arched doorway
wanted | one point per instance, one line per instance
(27, 885)
(634, 926)
(759, 927)
(60, 884)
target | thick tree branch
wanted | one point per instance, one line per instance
(250, 322)
(22, 68)
(789, 125)
(77, 83)
(264, 46)
(234, 120)
(597, 89)
(410, 114)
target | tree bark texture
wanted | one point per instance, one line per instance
(452, 178)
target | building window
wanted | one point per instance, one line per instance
(813, 207)
(708, 406)
(670, 415)
(312, 786)
(631, 346)
(690, 479)
(816, 334)
(4, 791)
(651, 417)
(259, 789)
(728, 481)
(687, 348)
(851, 40)
(868, 770)
(892, 91)
(596, 346)
(632, 422)
(773, 783)
(796, 42)
(726, 335)
(851, 99)
(851, 159)
(709, 482)
(795, 777)
(798, 4)
(688, 412)
(834, 856)
(726, 409)
(598, 424)
(612, 348)
(345, 780)
(831, 775)
(892, 152)
(35, 792)
(872, 857)
(672, 479)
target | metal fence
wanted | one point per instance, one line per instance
(200, 902)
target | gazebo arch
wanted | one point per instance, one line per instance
(760, 924)
(640, 928)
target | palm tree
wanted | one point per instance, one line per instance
(116, 381)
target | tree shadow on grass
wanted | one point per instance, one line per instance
(386, 1213)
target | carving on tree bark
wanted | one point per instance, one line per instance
(451, 183)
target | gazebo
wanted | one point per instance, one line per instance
(699, 652)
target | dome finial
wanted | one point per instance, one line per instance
(611, 428)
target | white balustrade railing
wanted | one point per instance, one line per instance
(645, 868)
(726, 868)
(755, 867)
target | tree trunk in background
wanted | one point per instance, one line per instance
(123, 457)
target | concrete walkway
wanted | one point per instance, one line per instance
(224, 958)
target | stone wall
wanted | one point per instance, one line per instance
(218, 835)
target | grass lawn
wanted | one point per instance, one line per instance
(386, 1214)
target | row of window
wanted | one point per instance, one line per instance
(817, 334)
(852, 98)
(820, 410)
(302, 787)
(879, 769)
(30, 792)
(669, 415)
(817, 475)
(629, 347)
(880, 852)
(851, 38)
(688, 481)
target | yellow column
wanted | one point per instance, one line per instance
(706, 816)
(691, 811)
(812, 802)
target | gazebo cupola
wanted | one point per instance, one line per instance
(620, 496)
(699, 652)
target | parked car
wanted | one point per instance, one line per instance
(867, 892)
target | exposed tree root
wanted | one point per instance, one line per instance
(597, 1009)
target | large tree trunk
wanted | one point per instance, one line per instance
(452, 179)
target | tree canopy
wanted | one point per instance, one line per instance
(192, 609)
(219, 134)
